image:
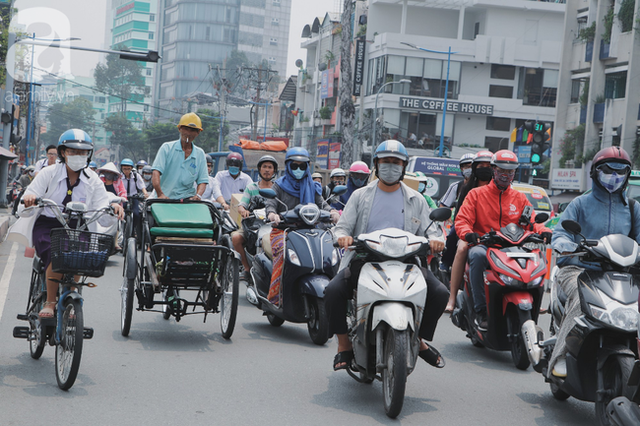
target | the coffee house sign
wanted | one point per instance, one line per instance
(438, 105)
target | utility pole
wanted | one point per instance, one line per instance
(260, 77)
(222, 84)
(8, 107)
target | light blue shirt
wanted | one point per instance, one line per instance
(388, 209)
(229, 185)
(178, 173)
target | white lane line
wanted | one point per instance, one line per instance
(6, 276)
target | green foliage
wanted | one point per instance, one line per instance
(124, 135)
(156, 134)
(77, 114)
(635, 158)
(588, 155)
(599, 99)
(121, 78)
(584, 96)
(625, 15)
(608, 24)
(362, 30)
(208, 138)
(329, 56)
(588, 34)
(573, 139)
(325, 113)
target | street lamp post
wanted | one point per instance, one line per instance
(375, 113)
(446, 88)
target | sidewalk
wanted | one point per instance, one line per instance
(5, 222)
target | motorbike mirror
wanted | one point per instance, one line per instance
(268, 193)
(542, 217)
(339, 190)
(571, 226)
(440, 215)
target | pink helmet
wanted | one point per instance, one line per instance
(359, 167)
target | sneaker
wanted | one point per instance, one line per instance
(481, 321)
(443, 267)
(560, 369)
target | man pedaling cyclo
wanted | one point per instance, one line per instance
(395, 206)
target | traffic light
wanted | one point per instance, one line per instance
(540, 135)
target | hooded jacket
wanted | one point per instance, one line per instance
(599, 213)
(487, 208)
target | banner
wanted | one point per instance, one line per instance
(438, 105)
(567, 179)
(334, 155)
(359, 66)
(322, 155)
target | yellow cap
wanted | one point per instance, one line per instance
(190, 120)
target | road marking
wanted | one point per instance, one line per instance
(6, 276)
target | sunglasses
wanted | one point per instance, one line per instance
(296, 166)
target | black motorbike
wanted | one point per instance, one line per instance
(602, 343)
(309, 264)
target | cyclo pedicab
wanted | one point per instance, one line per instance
(183, 249)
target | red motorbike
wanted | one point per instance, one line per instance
(514, 285)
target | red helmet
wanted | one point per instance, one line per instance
(234, 157)
(610, 154)
(483, 157)
(505, 159)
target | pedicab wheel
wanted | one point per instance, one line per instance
(229, 300)
(69, 348)
(615, 374)
(127, 233)
(37, 338)
(318, 324)
(128, 287)
(558, 394)
(394, 375)
(274, 320)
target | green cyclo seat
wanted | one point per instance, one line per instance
(191, 220)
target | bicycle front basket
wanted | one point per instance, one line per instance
(79, 252)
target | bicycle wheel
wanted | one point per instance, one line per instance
(69, 348)
(127, 233)
(127, 290)
(229, 300)
(37, 333)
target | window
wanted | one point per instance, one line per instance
(537, 86)
(148, 71)
(275, 21)
(498, 123)
(207, 35)
(494, 144)
(152, 17)
(150, 36)
(146, 108)
(575, 91)
(272, 59)
(503, 72)
(476, 30)
(273, 41)
(500, 91)
(276, 2)
(428, 76)
(615, 85)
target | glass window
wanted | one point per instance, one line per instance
(550, 78)
(500, 91)
(494, 144)
(575, 91)
(615, 85)
(414, 67)
(395, 65)
(503, 72)
(432, 69)
(498, 123)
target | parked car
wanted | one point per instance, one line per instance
(537, 197)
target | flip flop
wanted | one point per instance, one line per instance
(432, 356)
(342, 357)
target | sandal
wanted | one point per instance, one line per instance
(432, 356)
(47, 310)
(340, 358)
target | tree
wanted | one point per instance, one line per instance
(208, 139)
(124, 136)
(122, 79)
(157, 134)
(347, 109)
(77, 114)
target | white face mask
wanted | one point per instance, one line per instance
(77, 162)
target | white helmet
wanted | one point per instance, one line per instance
(337, 172)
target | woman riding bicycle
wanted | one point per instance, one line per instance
(62, 182)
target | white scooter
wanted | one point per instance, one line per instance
(109, 230)
(385, 315)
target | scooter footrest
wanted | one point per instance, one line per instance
(23, 317)
(21, 332)
(87, 333)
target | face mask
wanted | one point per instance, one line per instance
(77, 162)
(110, 176)
(503, 180)
(421, 187)
(611, 182)
(234, 170)
(484, 174)
(298, 173)
(390, 173)
(146, 176)
(467, 173)
(31, 173)
(359, 182)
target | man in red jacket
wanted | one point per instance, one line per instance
(491, 207)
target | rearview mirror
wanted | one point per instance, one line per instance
(542, 217)
(268, 193)
(571, 226)
(339, 190)
(440, 215)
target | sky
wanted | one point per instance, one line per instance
(86, 19)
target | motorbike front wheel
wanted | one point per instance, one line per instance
(318, 324)
(394, 375)
(615, 374)
(274, 320)
(519, 353)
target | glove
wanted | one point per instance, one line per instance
(472, 238)
(546, 236)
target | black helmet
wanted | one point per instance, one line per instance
(209, 159)
(268, 159)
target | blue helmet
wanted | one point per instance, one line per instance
(141, 163)
(297, 154)
(93, 165)
(391, 148)
(75, 139)
(126, 162)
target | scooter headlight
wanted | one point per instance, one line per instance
(335, 257)
(538, 280)
(293, 257)
(507, 279)
(624, 317)
(393, 246)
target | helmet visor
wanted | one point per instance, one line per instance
(617, 167)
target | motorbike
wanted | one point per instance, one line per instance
(309, 264)
(514, 285)
(386, 311)
(601, 345)
(255, 229)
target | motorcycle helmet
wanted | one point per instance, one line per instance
(234, 159)
(467, 159)
(337, 172)
(93, 165)
(141, 163)
(297, 154)
(391, 148)
(268, 159)
(505, 159)
(75, 139)
(482, 157)
(208, 158)
(126, 162)
(615, 162)
(359, 167)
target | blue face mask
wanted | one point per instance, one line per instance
(298, 173)
(421, 187)
(359, 182)
(234, 170)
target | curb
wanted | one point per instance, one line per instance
(5, 222)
